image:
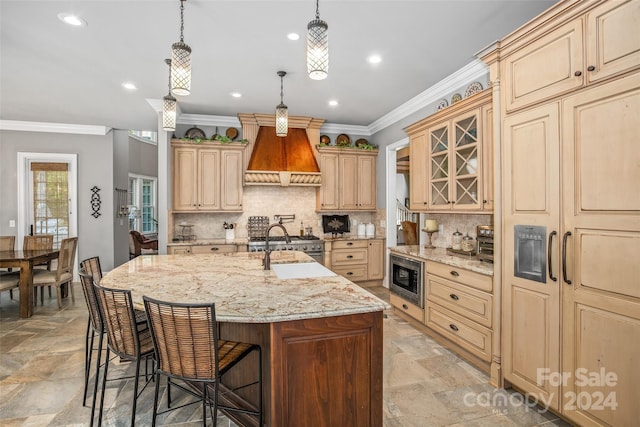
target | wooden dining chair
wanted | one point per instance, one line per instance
(187, 348)
(35, 242)
(7, 243)
(64, 272)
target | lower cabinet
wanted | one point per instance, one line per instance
(357, 260)
(201, 249)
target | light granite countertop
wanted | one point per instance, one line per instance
(242, 290)
(441, 255)
(211, 241)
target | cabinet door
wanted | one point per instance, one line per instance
(544, 68)
(439, 167)
(231, 180)
(376, 260)
(327, 195)
(348, 194)
(487, 159)
(601, 210)
(418, 172)
(209, 179)
(613, 38)
(466, 160)
(184, 179)
(366, 177)
(531, 310)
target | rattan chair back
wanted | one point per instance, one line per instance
(67, 256)
(86, 280)
(7, 243)
(92, 267)
(39, 241)
(119, 319)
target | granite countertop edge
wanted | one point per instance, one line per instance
(440, 255)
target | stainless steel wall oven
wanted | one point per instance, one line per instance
(407, 279)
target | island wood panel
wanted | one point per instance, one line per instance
(327, 371)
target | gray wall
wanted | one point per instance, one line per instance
(95, 167)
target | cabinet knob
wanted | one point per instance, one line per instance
(484, 201)
(577, 73)
(405, 306)
(591, 68)
(349, 243)
(454, 297)
(454, 327)
(350, 273)
(454, 273)
(215, 248)
(349, 256)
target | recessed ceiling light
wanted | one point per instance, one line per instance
(129, 86)
(70, 19)
(236, 94)
(293, 36)
(333, 103)
(374, 59)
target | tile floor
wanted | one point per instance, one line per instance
(42, 360)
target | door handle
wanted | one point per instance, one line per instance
(564, 257)
(549, 257)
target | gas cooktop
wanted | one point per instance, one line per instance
(283, 238)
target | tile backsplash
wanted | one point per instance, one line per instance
(268, 201)
(465, 223)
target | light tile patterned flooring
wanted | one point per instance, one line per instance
(42, 362)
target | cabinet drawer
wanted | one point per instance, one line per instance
(179, 250)
(212, 249)
(471, 303)
(348, 244)
(467, 334)
(349, 256)
(407, 307)
(355, 273)
(466, 277)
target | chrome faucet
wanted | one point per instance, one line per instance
(267, 252)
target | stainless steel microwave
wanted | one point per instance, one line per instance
(407, 279)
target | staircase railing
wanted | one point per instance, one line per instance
(403, 213)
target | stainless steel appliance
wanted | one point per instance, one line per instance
(311, 245)
(407, 279)
(529, 257)
(484, 236)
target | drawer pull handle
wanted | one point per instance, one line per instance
(549, 257)
(454, 297)
(349, 256)
(350, 273)
(454, 273)
(564, 257)
(454, 327)
(405, 306)
(350, 244)
(214, 249)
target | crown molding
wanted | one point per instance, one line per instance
(472, 71)
(24, 126)
(207, 120)
(348, 129)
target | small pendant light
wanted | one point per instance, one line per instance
(169, 106)
(282, 112)
(317, 47)
(181, 62)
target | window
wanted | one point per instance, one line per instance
(142, 204)
(50, 200)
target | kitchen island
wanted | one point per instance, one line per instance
(321, 337)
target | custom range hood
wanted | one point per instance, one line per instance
(284, 161)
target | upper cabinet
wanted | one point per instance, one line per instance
(348, 179)
(207, 177)
(448, 167)
(598, 44)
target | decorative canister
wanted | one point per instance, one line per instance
(456, 241)
(362, 229)
(467, 243)
(370, 230)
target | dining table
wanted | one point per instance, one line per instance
(25, 261)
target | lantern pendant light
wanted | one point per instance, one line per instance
(282, 112)
(169, 106)
(181, 62)
(317, 47)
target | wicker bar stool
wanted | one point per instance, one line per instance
(185, 337)
(126, 338)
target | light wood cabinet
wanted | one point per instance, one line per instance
(448, 165)
(357, 260)
(348, 179)
(207, 177)
(593, 46)
(571, 164)
(201, 249)
(459, 306)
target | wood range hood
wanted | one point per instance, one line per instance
(283, 161)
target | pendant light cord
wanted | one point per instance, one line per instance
(182, 21)
(281, 89)
(317, 9)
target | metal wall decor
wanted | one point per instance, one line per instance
(95, 201)
(122, 205)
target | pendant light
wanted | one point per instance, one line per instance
(169, 106)
(282, 112)
(181, 62)
(317, 47)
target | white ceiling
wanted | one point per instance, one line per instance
(52, 72)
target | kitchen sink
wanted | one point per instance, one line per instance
(301, 270)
